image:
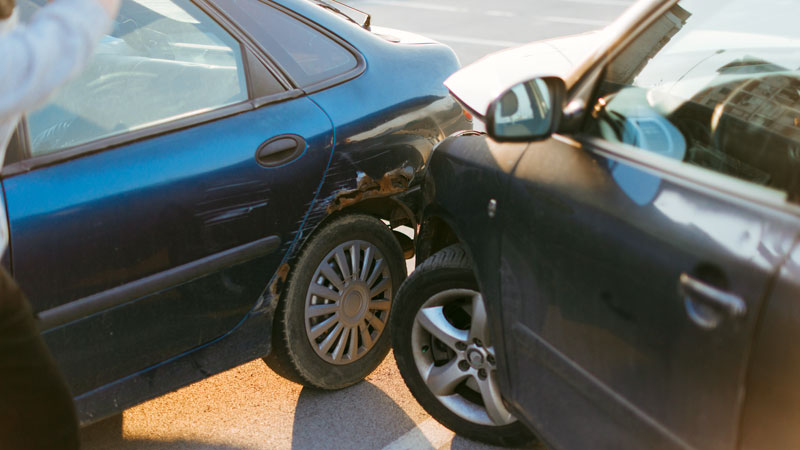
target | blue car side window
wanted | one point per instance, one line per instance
(306, 54)
(164, 60)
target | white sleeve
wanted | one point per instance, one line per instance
(51, 48)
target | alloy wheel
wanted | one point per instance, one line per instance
(452, 350)
(348, 302)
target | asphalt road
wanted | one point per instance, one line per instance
(250, 407)
(474, 28)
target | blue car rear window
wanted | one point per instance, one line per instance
(306, 54)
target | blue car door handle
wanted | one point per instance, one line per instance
(280, 150)
(705, 303)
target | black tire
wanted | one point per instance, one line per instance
(293, 354)
(448, 271)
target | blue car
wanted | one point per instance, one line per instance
(221, 184)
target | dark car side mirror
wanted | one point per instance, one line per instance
(529, 111)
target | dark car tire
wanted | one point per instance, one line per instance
(293, 355)
(447, 271)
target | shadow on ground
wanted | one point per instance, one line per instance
(363, 418)
(107, 434)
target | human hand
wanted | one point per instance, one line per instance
(6, 8)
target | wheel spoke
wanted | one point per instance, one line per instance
(373, 277)
(341, 260)
(353, 350)
(368, 255)
(321, 310)
(374, 321)
(492, 401)
(355, 259)
(331, 276)
(365, 336)
(320, 328)
(323, 292)
(477, 329)
(385, 284)
(443, 380)
(382, 305)
(329, 341)
(433, 321)
(341, 342)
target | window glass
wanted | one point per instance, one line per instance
(305, 53)
(715, 84)
(165, 59)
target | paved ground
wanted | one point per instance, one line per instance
(474, 28)
(252, 408)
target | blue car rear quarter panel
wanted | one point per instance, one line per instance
(100, 221)
(392, 114)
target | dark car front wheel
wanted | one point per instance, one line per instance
(331, 326)
(445, 354)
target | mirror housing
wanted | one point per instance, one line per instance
(528, 111)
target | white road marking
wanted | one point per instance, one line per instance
(428, 434)
(575, 20)
(496, 13)
(469, 40)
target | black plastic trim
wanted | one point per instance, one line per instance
(246, 40)
(281, 154)
(119, 295)
(361, 63)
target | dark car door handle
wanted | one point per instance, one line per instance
(280, 150)
(697, 293)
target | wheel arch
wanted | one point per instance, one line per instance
(436, 233)
(392, 210)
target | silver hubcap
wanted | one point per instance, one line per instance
(348, 302)
(453, 352)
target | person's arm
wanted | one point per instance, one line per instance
(53, 47)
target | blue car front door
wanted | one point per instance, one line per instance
(153, 235)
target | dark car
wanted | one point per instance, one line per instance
(219, 184)
(615, 266)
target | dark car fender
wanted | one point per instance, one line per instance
(464, 188)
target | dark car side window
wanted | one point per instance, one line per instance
(714, 85)
(165, 59)
(307, 54)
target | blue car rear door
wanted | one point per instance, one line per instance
(158, 192)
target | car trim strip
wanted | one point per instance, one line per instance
(93, 304)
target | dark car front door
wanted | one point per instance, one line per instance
(160, 200)
(638, 254)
